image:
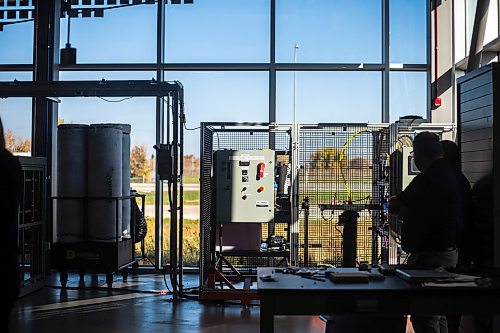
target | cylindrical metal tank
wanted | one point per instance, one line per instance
(104, 181)
(71, 181)
(126, 129)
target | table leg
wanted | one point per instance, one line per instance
(266, 315)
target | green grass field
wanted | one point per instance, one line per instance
(191, 198)
(327, 197)
(318, 230)
(191, 179)
(191, 244)
(316, 197)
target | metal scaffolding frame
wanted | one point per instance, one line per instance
(49, 92)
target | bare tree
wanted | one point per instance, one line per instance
(16, 144)
(191, 165)
(328, 158)
(139, 164)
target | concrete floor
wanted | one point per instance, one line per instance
(143, 310)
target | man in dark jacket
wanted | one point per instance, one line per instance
(430, 208)
(10, 194)
(451, 153)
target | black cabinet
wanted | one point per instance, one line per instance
(32, 224)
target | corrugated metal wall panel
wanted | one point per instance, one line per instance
(477, 101)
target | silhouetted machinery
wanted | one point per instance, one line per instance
(301, 194)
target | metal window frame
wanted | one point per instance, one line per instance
(271, 67)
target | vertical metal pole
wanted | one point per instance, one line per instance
(181, 187)
(385, 62)
(44, 112)
(272, 90)
(453, 74)
(160, 137)
(294, 85)
(174, 205)
(429, 58)
(294, 226)
(202, 264)
(41, 74)
(207, 227)
(272, 74)
(305, 208)
(376, 194)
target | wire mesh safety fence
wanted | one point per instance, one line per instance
(235, 137)
(344, 177)
(342, 167)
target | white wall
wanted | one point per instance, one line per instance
(464, 12)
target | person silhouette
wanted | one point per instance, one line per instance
(10, 194)
(451, 153)
(482, 237)
(430, 208)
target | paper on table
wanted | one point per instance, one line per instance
(450, 284)
(464, 278)
(458, 280)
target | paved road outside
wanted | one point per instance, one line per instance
(190, 212)
(150, 187)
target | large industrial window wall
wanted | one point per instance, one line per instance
(16, 42)
(106, 75)
(16, 47)
(407, 94)
(243, 60)
(211, 96)
(16, 117)
(114, 38)
(407, 30)
(326, 97)
(218, 31)
(329, 31)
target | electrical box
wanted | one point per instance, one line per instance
(244, 185)
(403, 169)
(410, 170)
(164, 161)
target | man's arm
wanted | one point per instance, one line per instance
(398, 208)
(401, 205)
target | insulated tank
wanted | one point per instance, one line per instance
(104, 181)
(71, 181)
(126, 128)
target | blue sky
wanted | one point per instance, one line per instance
(238, 31)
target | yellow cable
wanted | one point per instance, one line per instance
(346, 144)
(410, 142)
(407, 140)
(341, 158)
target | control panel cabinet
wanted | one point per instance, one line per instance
(244, 186)
(403, 169)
